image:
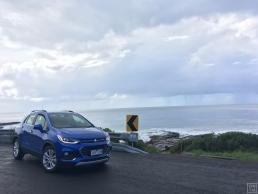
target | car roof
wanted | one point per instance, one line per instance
(41, 111)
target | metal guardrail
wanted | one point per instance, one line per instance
(127, 148)
(128, 137)
(10, 123)
(7, 132)
(6, 136)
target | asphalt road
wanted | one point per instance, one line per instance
(129, 173)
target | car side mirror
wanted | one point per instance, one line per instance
(38, 127)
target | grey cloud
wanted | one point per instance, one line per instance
(46, 23)
(130, 52)
(158, 68)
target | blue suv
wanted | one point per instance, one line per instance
(61, 139)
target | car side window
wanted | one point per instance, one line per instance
(30, 119)
(41, 120)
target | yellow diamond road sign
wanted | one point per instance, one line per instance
(132, 123)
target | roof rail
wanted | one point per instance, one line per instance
(38, 110)
(69, 111)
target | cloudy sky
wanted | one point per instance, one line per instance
(93, 54)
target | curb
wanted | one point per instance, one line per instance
(219, 157)
(210, 156)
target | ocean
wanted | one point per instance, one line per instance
(187, 120)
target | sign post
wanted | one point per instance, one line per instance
(132, 125)
(132, 122)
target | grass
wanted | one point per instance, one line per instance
(146, 147)
(108, 130)
(237, 154)
(237, 145)
(226, 142)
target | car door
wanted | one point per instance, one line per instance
(21, 135)
(27, 130)
(37, 137)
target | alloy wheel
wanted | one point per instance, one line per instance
(49, 159)
(16, 148)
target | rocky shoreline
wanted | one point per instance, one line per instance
(164, 142)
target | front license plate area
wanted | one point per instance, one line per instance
(96, 152)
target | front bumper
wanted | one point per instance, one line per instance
(79, 154)
(93, 162)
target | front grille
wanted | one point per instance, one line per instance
(86, 151)
(93, 140)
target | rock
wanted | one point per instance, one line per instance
(165, 141)
(166, 135)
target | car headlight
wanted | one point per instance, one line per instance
(67, 140)
(108, 139)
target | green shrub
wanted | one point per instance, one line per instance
(230, 141)
(204, 142)
(108, 130)
(237, 140)
(180, 146)
(146, 147)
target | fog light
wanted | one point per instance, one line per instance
(69, 155)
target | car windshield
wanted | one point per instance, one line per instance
(68, 120)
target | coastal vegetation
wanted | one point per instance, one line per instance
(108, 130)
(231, 145)
(237, 145)
(146, 147)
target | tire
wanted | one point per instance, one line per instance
(49, 159)
(17, 151)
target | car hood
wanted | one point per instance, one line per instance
(83, 133)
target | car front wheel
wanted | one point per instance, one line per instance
(17, 151)
(49, 159)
